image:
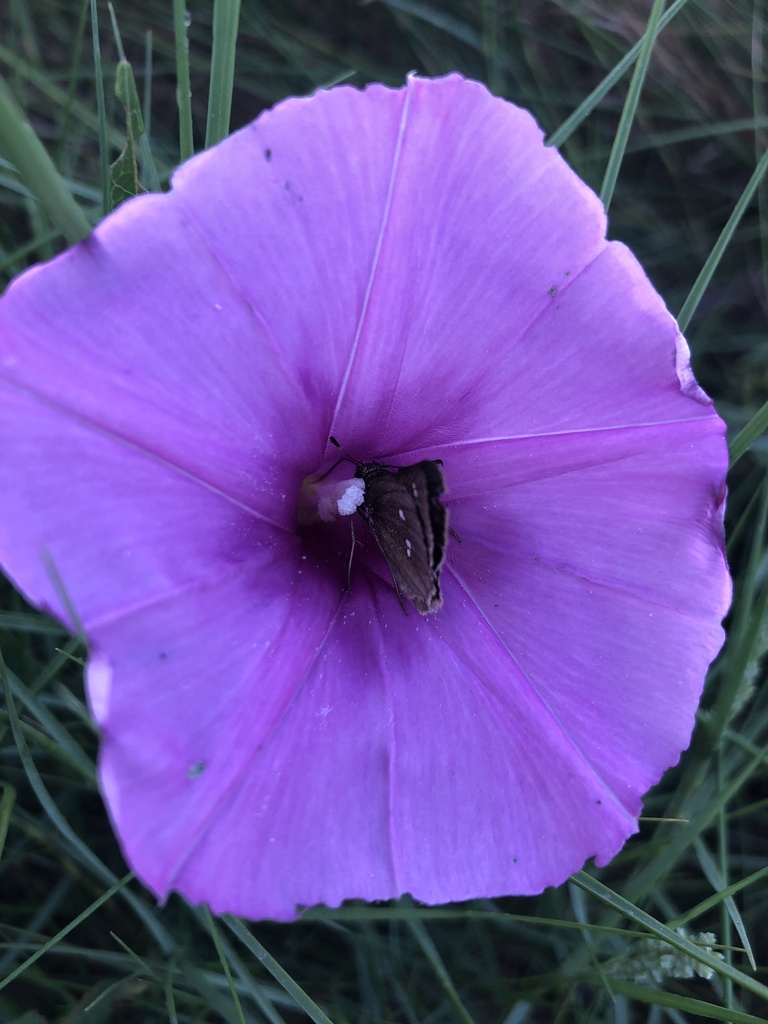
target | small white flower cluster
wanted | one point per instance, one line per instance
(654, 960)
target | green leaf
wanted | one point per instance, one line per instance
(124, 172)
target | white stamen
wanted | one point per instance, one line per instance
(352, 498)
(341, 498)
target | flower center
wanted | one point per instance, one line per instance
(325, 523)
(325, 500)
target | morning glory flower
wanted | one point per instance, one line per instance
(412, 272)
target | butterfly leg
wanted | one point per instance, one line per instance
(351, 553)
(400, 597)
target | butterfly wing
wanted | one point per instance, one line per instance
(425, 480)
(404, 513)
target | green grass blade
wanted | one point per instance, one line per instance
(716, 898)
(435, 15)
(226, 15)
(105, 896)
(36, 169)
(101, 107)
(685, 1004)
(747, 436)
(630, 106)
(7, 800)
(598, 94)
(248, 985)
(428, 948)
(145, 149)
(183, 86)
(170, 999)
(52, 727)
(712, 874)
(214, 933)
(278, 972)
(701, 283)
(74, 74)
(676, 842)
(747, 642)
(491, 27)
(81, 849)
(661, 931)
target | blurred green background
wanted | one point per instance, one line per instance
(688, 203)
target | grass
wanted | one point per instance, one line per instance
(675, 130)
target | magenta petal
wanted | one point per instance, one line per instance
(302, 258)
(392, 293)
(587, 564)
(604, 353)
(93, 526)
(292, 809)
(139, 333)
(352, 784)
(479, 234)
(188, 700)
(489, 792)
(413, 271)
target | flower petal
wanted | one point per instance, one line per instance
(188, 693)
(356, 786)
(597, 561)
(482, 226)
(394, 308)
(267, 202)
(413, 271)
(139, 333)
(94, 526)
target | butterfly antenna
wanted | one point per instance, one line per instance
(335, 443)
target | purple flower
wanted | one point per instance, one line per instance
(412, 272)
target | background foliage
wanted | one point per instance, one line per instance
(81, 941)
